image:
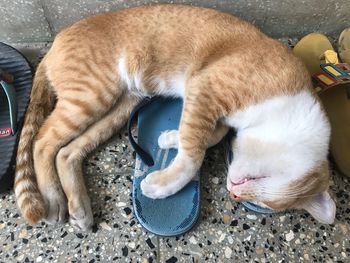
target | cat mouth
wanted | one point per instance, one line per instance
(233, 196)
(232, 184)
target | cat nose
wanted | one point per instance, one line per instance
(235, 197)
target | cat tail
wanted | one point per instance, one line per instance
(42, 101)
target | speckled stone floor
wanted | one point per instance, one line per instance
(225, 232)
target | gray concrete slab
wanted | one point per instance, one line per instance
(32, 51)
(40, 20)
(23, 21)
(276, 18)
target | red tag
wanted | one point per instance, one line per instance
(4, 132)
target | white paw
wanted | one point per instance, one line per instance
(169, 139)
(80, 214)
(56, 206)
(153, 186)
(161, 184)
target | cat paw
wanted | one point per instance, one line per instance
(153, 186)
(56, 206)
(169, 139)
(158, 185)
(80, 214)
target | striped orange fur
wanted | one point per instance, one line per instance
(28, 196)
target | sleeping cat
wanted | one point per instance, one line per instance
(228, 73)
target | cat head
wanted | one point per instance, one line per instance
(285, 165)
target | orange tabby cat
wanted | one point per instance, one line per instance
(229, 75)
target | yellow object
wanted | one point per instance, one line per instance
(312, 50)
(333, 71)
(326, 80)
(330, 56)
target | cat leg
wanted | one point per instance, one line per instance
(69, 160)
(196, 128)
(71, 116)
(170, 139)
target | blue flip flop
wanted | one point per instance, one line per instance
(175, 214)
(249, 205)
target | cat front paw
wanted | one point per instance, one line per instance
(158, 185)
(161, 184)
(169, 139)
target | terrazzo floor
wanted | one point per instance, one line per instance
(225, 232)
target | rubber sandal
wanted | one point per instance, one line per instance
(332, 84)
(15, 88)
(311, 50)
(249, 205)
(344, 46)
(175, 214)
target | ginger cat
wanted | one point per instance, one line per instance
(228, 73)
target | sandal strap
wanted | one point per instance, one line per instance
(12, 104)
(145, 156)
(331, 75)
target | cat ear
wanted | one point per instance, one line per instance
(322, 208)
